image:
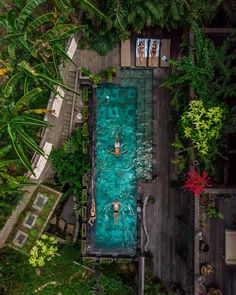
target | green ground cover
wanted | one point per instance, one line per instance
(37, 228)
(59, 275)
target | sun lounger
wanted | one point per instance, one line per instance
(230, 247)
(125, 54)
(141, 52)
(165, 53)
(153, 52)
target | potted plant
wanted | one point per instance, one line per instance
(95, 79)
(108, 73)
(84, 74)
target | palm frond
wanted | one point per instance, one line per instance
(18, 149)
(27, 11)
(11, 83)
(61, 32)
(25, 99)
(91, 7)
(39, 21)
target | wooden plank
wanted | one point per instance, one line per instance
(125, 54)
(219, 31)
(154, 53)
(165, 52)
(220, 191)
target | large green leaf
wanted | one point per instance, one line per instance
(12, 50)
(27, 11)
(63, 52)
(29, 141)
(61, 32)
(5, 150)
(18, 149)
(55, 82)
(39, 21)
(26, 120)
(11, 83)
(7, 162)
(24, 100)
(24, 65)
(10, 37)
(90, 6)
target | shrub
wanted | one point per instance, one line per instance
(196, 183)
(203, 126)
(71, 164)
(85, 72)
(85, 94)
(43, 250)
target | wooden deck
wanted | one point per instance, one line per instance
(169, 219)
(95, 62)
(223, 276)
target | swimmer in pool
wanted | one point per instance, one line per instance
(116, 210)
(117, 152)
(92, 213)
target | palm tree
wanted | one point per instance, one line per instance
(15, 123)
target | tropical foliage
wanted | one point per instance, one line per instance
(203, 126)
(74, 155)
(210, 72)
(10, 192)
(60, 275)
(32, 40)
(43, 250)
(120, 18)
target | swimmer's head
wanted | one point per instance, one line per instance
(117, 152)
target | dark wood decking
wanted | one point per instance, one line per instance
(223, 276)
(169, 218)
(95, 62)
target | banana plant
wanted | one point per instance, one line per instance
(33, 75)
(15, 121)
(9, 184)
(28, 42)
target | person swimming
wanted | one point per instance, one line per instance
(116, 210)
(92, 213)
(117, 152)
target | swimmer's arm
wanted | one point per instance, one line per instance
(111, 152)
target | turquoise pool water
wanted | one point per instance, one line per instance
(115, 178)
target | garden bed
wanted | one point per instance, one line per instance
(43, 216)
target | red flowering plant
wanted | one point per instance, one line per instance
(197, 183)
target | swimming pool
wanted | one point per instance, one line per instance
(115, 178)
